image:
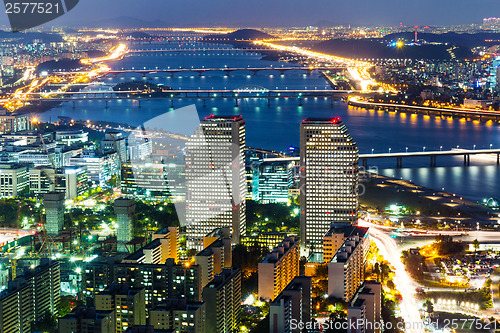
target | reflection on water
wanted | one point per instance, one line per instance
(474, 182)
(277, 126)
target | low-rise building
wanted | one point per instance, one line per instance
(213, 258)
(222, 297)
(70, 137)
(179, 316)
(72, 181)
(13, 179)
(346, 270)
(365, 307)
(128, 303)
(278, 269)
(87, 320)
(293, 304)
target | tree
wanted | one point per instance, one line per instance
(321, 272)
(429, 307)
(475, 244)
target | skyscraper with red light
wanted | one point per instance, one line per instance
(328, 180)
(216, 179)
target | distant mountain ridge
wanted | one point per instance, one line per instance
(377, 48)
(458, 39)
(242, 34)
(124, 22)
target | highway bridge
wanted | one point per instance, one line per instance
(202, 71)
(254, 92)
(466, 153)
(468, 113)
(225, 70)
(204, 50)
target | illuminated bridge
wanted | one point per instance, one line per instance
(251, 91)
(466, 153)
(202, 71)
(221, 50)
(467, 113)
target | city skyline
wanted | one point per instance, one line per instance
(279, 13)
(189, 167)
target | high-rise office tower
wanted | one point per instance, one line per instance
(124, 209)
(328, 180)
(54, 211)
(215, 179)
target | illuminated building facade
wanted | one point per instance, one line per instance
(346, 270)
(216, 179)
(279, 268)
(222, 298)
(328, 179)
(275, 178)
(127, 302)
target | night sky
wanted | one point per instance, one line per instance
(283, 12)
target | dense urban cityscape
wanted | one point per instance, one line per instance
(199, 178)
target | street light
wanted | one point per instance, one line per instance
(372, 150)
(474, 147)
(491, 145)
(440, 148)
(390, 150)
(407, 149)
(424, 149)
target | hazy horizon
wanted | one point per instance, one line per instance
(260, 13)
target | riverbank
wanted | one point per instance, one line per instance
(424, 207)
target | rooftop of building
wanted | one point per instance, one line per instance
(233, 118)
(349, 245)
(178, 304)
(12, 166)
(70, 131)
(222, 278)
(209, 249)
(316, 258)
(280, 250)
(362, 290)
(153, 244)
(135, 255)
(120, 289)
(347, 229)
(268, 234)
(163, 231)
(218, 232)
(84, 312)
(334, 120)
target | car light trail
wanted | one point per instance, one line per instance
(404, 283)
(19, 97)
(358, 70)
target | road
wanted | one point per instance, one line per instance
(404, 283)
(495, 290)
(357, 70)
(391, 250)
(19, 98)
